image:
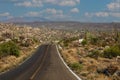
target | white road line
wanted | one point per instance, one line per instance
(78, 78)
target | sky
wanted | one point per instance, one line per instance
(61, 10)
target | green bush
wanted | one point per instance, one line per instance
(69, 40)
(9, 48)
(94, 40)
(76, 66)
(35, 40)
(94, 54)
(66, 44)
(84, 42)
(111, 52)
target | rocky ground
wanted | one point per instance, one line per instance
(87, 60)
(90, 65)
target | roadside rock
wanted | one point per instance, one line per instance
(109, 71)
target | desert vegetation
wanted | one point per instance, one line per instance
(91, 50)
(9, 48)
(15, 45)
(93, 55)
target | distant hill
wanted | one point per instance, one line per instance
(73, 25)
(25, 19)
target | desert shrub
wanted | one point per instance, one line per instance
(103, 43)
(84, 42)
(9, 48)
(7, 35)
(111, 52)
(94, 54)
(66, 44)
(35, 40)
(25, 44)
(21, 37)
(15, 40)
(69, 40)
(94, 40)
(76, 66)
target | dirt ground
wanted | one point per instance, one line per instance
(90, 65)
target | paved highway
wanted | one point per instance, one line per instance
(45, 64)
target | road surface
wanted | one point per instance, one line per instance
(45, 64)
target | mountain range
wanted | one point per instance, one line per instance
(25, 19)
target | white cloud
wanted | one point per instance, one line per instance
(39, 3)
(49, 13)
(74, 10)
(101, 14)
(6, 14)
(67, 3)
(113, 6)
(53, 11)
(33, 14)
(26, 4)
(113, 10)
(78, 1)
(33, 3)
(63, 2)
(97, 14)
(51, 1)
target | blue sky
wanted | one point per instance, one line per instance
(62, 10)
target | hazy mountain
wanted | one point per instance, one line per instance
(26, 19)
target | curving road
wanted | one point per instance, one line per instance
(45, 64)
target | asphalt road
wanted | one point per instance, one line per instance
(45, 64)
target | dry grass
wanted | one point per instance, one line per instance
(90, 65)
(10, 62)
(70, 55)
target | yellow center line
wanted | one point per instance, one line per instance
(31, 78)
